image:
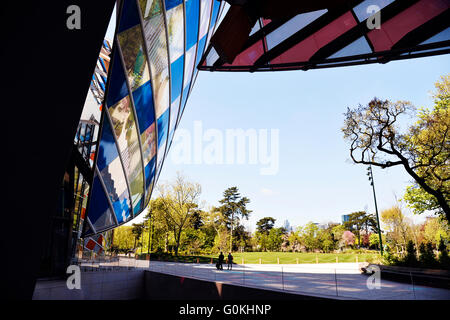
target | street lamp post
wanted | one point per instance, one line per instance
(372, 183)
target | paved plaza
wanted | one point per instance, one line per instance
(330, 280)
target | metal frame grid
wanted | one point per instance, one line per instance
(409, 46)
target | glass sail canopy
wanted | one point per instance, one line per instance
(343, 35)
(155, 49)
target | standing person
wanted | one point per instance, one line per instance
(230, 261)
(220, 263)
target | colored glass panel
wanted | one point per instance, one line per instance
(134, 56)
(99, 212)
(122, 117)
(155, 38)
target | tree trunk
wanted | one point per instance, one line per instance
(166, 242)
(177, 242)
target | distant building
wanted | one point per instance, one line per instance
(321, 226)
(345, 218)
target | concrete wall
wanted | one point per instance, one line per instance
(95, 285)
(159, 286)
(142, 284)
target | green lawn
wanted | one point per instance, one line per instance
(272, 257)
(293, 257)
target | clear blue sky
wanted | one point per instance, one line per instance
(316, 180)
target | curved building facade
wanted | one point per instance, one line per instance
(156, 48)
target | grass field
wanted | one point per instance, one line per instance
(275, 257)
(297, 257)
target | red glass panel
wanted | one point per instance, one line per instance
(266, 21)
(396, 28)
(248, 56)
(90, 245)
(305, 49)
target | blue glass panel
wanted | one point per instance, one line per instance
(149, 172)
(172, 131)
(176, 77)
(108, 150)
(117, 85)
(122, 208)
(359, 46)
(183, 103)
(215, 13)
(143, 101)
(172, 4)
(99, 213)
(442, 36)
(201, 47)
(130, 16)
(138, 207)
(102, 63)
(192, 15)
(163, 127)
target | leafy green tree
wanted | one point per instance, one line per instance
(179, 202)
(336, 233)
(123, 239)
(215, 221)
(241, 237)
(411, 255)
(435, 230)
(233, 208)
(388, 257)
(262, 241)
(274, 239)
(326, 241)
(423, 150)
(309, 236)
(295, 240)
(426, 257)
(374, 241)
(137, 229)
(359, 221)
(430, 141)
(160, 227)
(444, 259)
(264, 225)
(397, 225)
(196, 219)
